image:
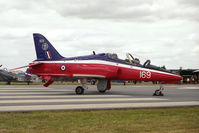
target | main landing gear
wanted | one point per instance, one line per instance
(158, 92)
(80, 89)
(102, 86)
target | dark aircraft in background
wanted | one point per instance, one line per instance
(104, 67)
(6, 76)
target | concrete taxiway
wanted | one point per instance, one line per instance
(62, 97)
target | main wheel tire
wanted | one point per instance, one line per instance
(79, 90)
(102, 91)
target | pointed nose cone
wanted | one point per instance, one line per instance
(168, 77)
(172, 79)
(178, 78)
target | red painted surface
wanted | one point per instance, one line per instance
(108, 71)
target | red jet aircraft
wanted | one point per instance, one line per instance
(104, 67)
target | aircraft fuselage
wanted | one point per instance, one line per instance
(100, 69)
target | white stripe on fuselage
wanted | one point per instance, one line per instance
(88, 75)
(105, 63)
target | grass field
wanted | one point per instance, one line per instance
(162, 120)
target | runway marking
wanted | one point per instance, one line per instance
(21, 86)
(80, 100)
(66, 96)
(188, 88)
(33, 93)
(28, 90)
(28, 98)
(95, 106)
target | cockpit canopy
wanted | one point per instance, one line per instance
(112, 56)
(135, 61)
(129, 59)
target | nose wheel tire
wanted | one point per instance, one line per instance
(79, 90)
(158, 92)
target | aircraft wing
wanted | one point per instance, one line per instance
(30, 65)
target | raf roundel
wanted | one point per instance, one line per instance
(63, 67)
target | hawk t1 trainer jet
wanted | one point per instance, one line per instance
(104, 67)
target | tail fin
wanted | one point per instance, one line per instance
(44, 49)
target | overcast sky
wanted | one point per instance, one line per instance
(165, 31)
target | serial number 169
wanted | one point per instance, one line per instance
(145, 74)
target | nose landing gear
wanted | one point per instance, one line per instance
(158, 92)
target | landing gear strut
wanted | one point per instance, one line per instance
(158, 92)
(8, 83)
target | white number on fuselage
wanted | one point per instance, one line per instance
(145, 74)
